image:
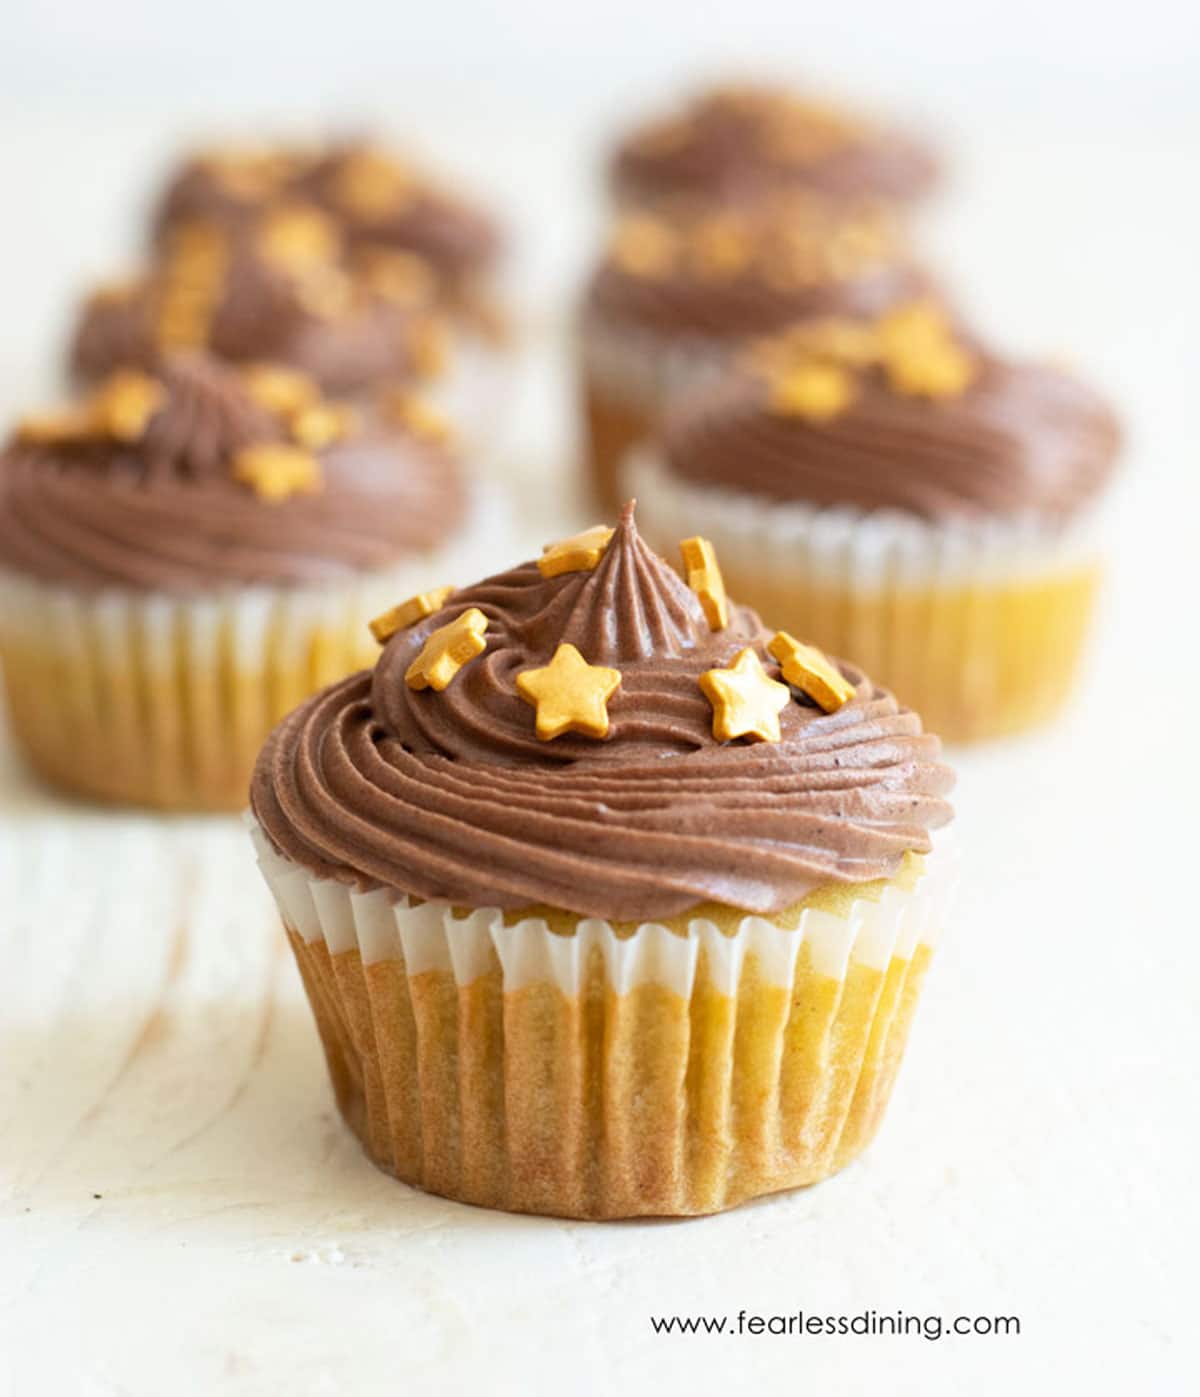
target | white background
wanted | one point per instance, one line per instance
(1039, 1156)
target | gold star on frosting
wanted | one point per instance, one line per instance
(579, 553)
(815, 391)
(280, 390)
(808, 669)
(570, 695)
(322, 424)
(704, 578)
(408, 613)
(919, 354)
(446, 650)
(275, 471)
(745, 701)
(372, 185)
(119, 410)
(124, 404)
(644, 246)
(297, 237)
(415, 415)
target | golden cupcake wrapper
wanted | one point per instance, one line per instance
(154, 700)
(670, 1071)
(978, 627)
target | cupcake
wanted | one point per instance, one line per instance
(283, 290)
(733, 144)
(608, 900)
(382, 205)
(377, 199)
(673, 300)
(184, 556)
(907, 497)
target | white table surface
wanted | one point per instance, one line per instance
(180, 1207)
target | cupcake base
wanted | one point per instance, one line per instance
(165, 702)
(613, 426)
(597, 1072)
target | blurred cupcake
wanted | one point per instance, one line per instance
(283, 290)
(673, 300)
(733, 144)
(380, 204)
(607, 899)
(897, 494)
(376, 198)
(186, 556)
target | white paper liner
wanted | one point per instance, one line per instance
(179, 691)
(841, 546)
(645, 369)
(383, 926)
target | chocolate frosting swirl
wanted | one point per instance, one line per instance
(1021, 439)
(734, 144)
(799, 259)
(165, 513)
(451, 796)
(260, 313)
(458, 238)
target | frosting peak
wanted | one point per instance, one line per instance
(630, 606)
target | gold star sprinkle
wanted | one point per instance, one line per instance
(745, 702)
(719, 248)
(124, 403)
(919, 352)
(408, 613)
(429, 345)
(807, 668)
(446, 650)
(371, 185)
(402, 278)
(280, 391)
(55, 428)
(704, 578)
(815, 391)
(644, 246)
(322, 424)
(569, 694)
(298, 237)
(580, 553)
(415, 415)
(275, 471)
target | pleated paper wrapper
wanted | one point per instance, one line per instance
(164, 701)
(629, 374)
(979, 626)
(605, 1075)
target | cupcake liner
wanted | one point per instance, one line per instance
(640, 367)
(978, 625)
(629, 374)
(162, 700)
(601, 1074)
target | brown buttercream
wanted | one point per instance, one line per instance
(1016, 439)
(326, 318)
(732, 144)
(754, 270)
(166, 512)
(451, 796)
(377, 198)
